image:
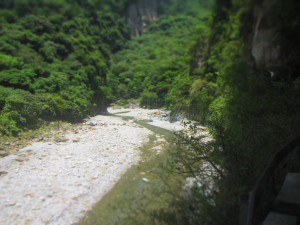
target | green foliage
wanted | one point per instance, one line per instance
(7, 124)
(249, 115)
(155, 63)
(178, 97)
(17, 78)
(56, 63)
(7, 61)
(23, 108)
(199, 8)
(149, 99)
(55, 58)
(202, 95)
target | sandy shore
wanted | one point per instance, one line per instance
(56, 182)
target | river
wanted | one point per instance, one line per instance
(148, 193)
(117, 163)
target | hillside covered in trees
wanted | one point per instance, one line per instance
(55, 57)
(230, 65)
(63, 60)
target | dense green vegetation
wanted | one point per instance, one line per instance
(65, 60)
(215, 81)
(155, 67)
(55, 58)
(250, 114)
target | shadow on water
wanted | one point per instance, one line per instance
(147, 193)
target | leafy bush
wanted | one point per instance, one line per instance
(8, 126)
(24, 109)
(150, 63)
(17, 78)
(7, 61)
(202, 95)
(54, 70)
(149, 100)
(178, 96)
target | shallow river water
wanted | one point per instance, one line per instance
(147, 193)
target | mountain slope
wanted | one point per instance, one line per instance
(54, 59)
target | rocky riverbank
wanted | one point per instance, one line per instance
(59, 177)
(56, 181)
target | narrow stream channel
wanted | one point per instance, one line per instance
(146, 193)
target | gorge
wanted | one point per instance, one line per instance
(231, 65)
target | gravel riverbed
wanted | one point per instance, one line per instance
(56, 182)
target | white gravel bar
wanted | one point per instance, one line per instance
(55, 183)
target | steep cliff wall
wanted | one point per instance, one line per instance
(141, 12)
(265, 46)
(276, 31)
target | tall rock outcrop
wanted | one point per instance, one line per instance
(141, 12)
(275, 43)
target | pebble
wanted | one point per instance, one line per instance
(61, 139)
(3, 173)
(92, 122)
(76, 140)
(3, 153)
(10, 204)
(145, 179)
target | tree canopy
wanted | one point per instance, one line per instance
(55, 57)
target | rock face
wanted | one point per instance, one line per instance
(265, 47)
(274, 44)
(141, 12)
